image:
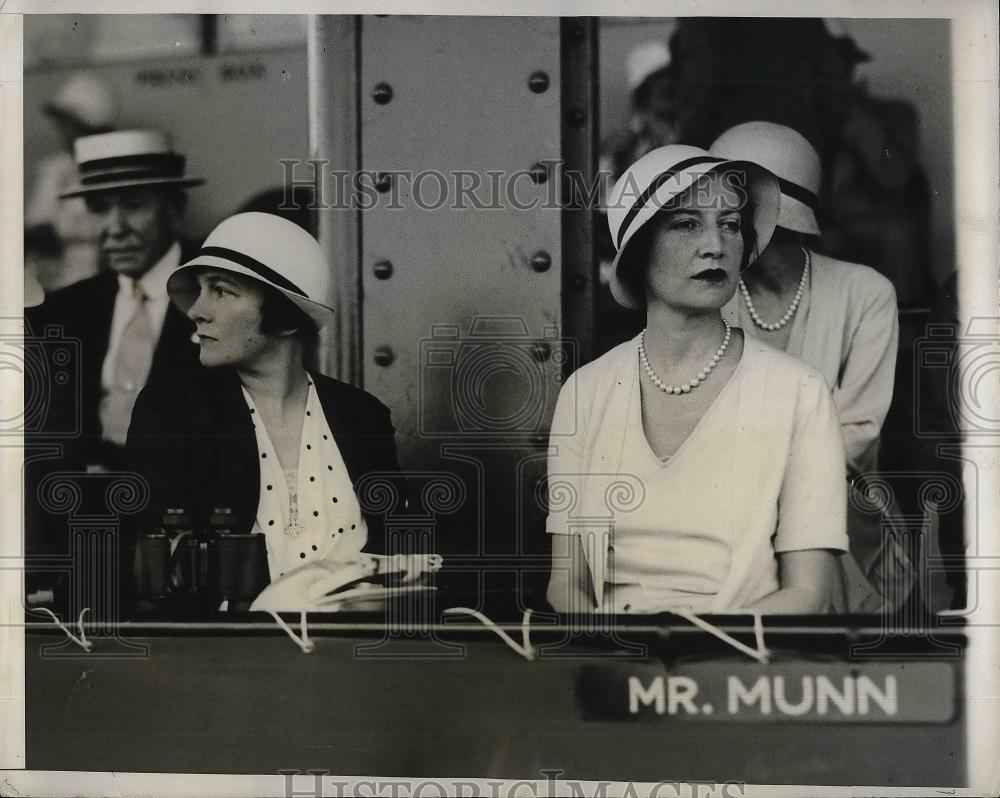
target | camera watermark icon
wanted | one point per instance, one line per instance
(954, 373)
(50, 365)
(498, 381)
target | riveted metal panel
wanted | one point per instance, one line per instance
(461, 299)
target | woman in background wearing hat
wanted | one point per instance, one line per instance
(257, 432)
(839, 318)
(692, 467)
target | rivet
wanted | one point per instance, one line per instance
(539, 174)
(383, 182)
(577, 34)
(538, 82)
(382, 270)
(541, 261)
(577, 117)
(382, 93)
(384, 356)
(578, 282)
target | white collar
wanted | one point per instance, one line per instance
(154, 281)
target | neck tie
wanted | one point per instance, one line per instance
(131, 367)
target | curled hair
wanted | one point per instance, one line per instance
(279, 314)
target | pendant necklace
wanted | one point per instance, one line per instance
(294, 527)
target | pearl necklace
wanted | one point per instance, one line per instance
(791, 310)
(694, 383)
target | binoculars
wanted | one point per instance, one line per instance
(178, 566)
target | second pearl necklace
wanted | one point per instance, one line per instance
(791, 310)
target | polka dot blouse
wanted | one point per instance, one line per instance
(306, 512)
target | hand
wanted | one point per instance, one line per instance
(410, 567)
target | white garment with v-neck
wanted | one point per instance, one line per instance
(761, 473)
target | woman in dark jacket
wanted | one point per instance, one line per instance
(288, 450)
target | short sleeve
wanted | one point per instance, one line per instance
(566, 457)
(812, 506)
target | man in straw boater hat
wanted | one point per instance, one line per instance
(134, 185)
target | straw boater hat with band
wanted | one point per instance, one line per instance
(650, 184)
(266, 248)
(127, 159)
(790, 158)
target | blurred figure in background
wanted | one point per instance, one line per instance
(652, 123)
(295, 203)
(63, 229)
(874, 202)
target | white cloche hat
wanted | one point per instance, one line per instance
(266, 248)
(657, 177)
(790, 157)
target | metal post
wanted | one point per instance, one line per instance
(333, 141)
(579, 150)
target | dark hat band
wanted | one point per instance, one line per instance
(652, 188)
(253, 265)
(797, 192)
(132, 167)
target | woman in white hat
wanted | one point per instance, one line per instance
(692, 467)
(282, 446)
(840, 318)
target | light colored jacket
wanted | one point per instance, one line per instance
(847, 328)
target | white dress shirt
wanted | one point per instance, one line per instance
(154, 286)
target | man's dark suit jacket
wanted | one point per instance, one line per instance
(83, 311)
(193, 440)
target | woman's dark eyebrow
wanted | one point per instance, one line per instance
(214, 278)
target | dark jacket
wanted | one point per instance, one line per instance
(71, 332)
(192, 439)
(82, 312)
